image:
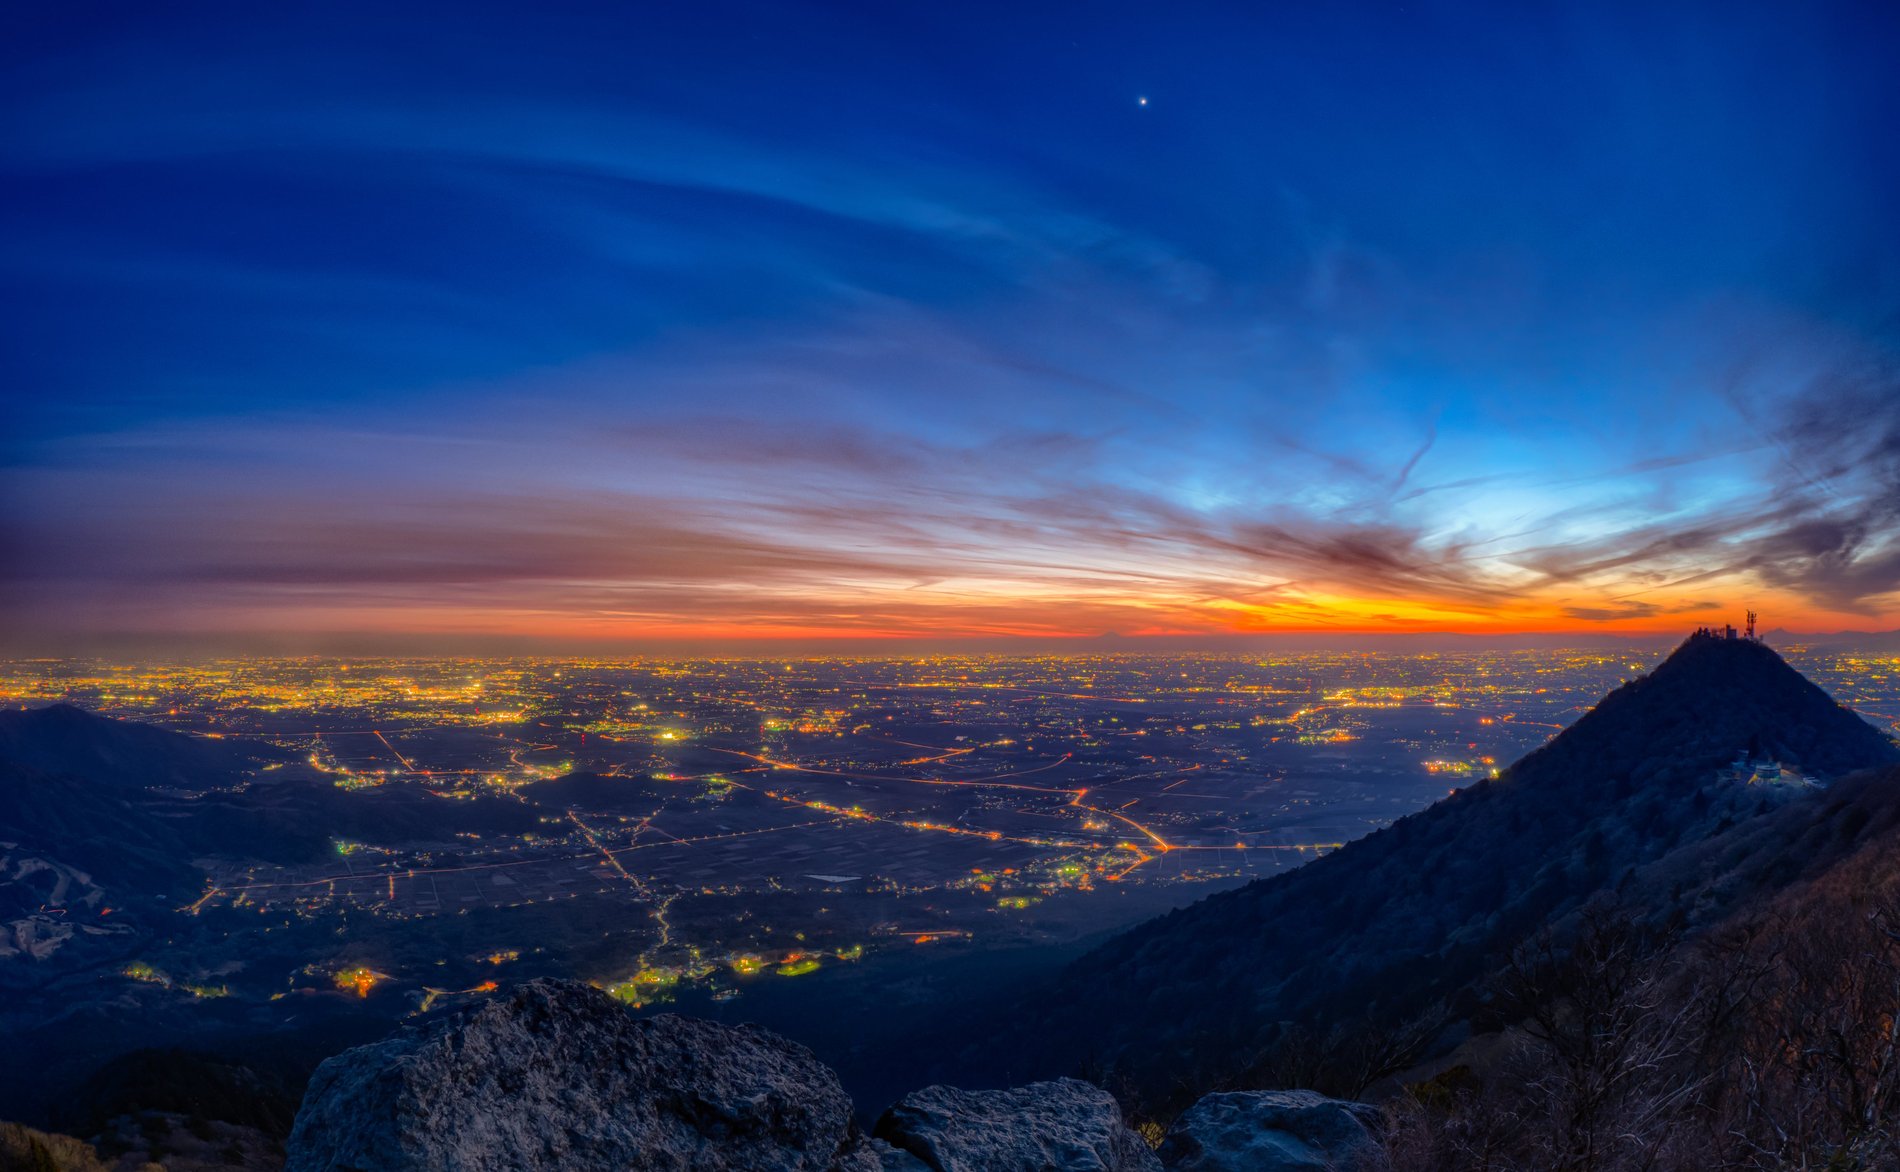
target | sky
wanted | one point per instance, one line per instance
(744, 324)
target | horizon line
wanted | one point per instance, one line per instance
(439, 645)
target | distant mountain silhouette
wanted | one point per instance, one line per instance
(89, 779)
(121, 754)
(1869, 641)
(73, 821)
(77, 798)
(1414, 914)
(86, 875)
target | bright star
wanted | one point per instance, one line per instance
(1141, 101)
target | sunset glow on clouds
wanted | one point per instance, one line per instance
(649, 331)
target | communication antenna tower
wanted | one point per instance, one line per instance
(1750, 634)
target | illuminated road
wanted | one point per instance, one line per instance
(1160, 845)
(1070, 780)
(539, 860)
(956, 792)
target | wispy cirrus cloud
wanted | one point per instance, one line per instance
(853, 530)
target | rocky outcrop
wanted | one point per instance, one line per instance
(556, 1075)
(1061, 1126)
(1274, 1131)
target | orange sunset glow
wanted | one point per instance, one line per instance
(767, 356)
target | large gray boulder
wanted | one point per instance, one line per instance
(1061, 1126)
(556, 1075)
(1274, 1131)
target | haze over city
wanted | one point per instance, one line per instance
(752, 327)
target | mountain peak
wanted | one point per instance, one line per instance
(1713, 698)
(1707, 648)
(1421, 910)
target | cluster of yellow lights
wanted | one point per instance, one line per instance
(360, 979)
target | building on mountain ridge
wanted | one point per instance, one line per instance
(1747, 633)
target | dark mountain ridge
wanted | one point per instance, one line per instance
(1635, 797)
(86, 878)
(1712, 698)
(1708, 882)
(1414, 914)
(114, 841)
(92, 780)
(122, 754)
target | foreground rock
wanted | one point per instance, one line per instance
(556, 1075)
(1061, 1126)
(1274, 1131)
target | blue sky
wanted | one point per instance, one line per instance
(747, 321)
